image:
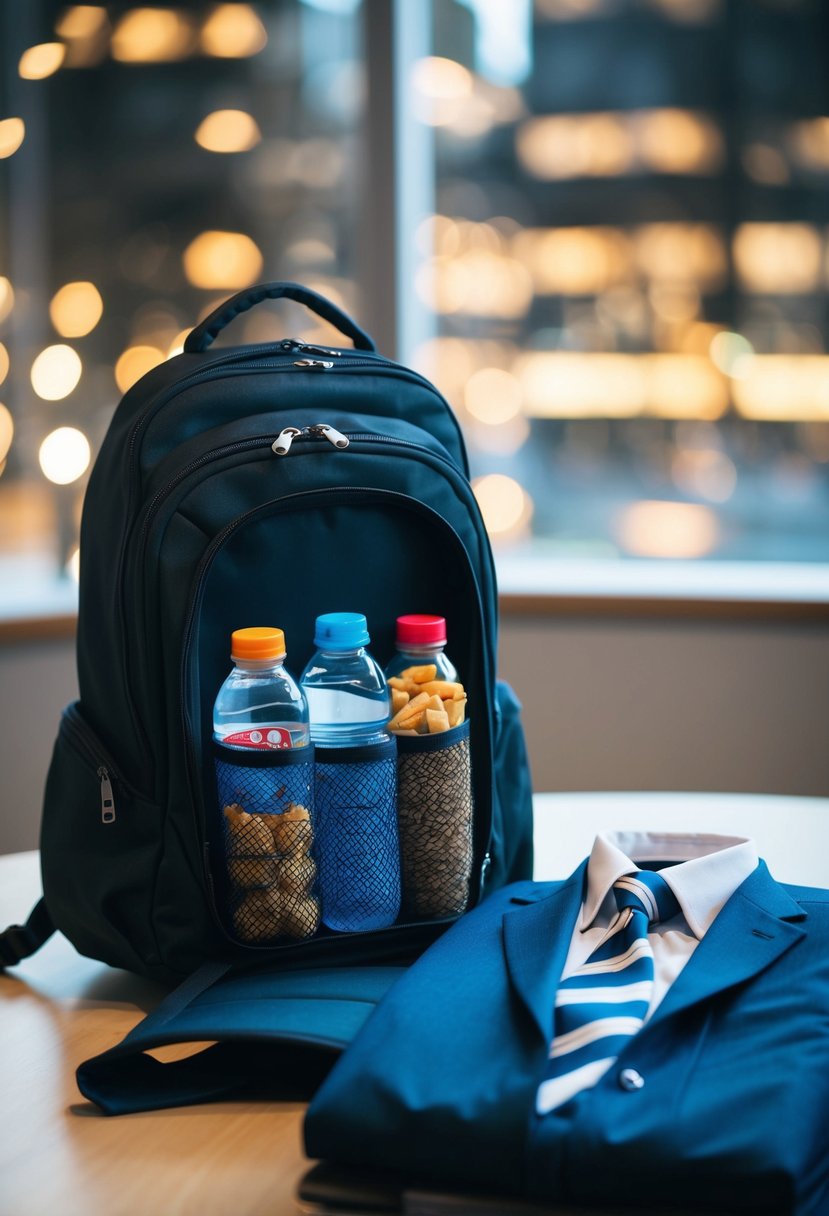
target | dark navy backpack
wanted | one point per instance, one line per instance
(249, 485)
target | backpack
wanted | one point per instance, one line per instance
(245, 485)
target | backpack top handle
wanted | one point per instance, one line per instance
(200, 338)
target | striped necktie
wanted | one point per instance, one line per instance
(604, 1002)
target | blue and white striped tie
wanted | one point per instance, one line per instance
(604, 1002)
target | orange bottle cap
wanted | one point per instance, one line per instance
(257, 643)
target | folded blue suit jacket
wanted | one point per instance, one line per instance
(733, 1115)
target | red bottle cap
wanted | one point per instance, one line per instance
(421, 630)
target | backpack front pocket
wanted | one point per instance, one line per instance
(435, 816)
(268, 872)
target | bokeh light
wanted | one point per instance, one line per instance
(216, 260)
(76, 309)
(64, 455)
(56, 372)
(6, 431)
(505, 505)
(42, 60)
(228, 131)
(134, 363)
(233, 31)
(667, 529)
(12, 134)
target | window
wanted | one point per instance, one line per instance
(627, 266)
(617, 232)
(154, 160)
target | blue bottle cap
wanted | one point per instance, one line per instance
(341, 631)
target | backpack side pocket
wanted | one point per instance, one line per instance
(435, 815)
(100, 842)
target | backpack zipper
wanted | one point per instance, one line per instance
(280, 447)
(86, 743)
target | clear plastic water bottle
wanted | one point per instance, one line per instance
(356, 842)
(420, 639)
(260, 705)
(348, 698)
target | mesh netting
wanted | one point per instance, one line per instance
(434, 804)
(357, 842)
(268, 838)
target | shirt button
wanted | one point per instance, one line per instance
(630, 1079)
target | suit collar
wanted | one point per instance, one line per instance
(756, 926)
(536, 942)
(704, 873)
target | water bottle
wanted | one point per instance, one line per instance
(260, 705)
(419, 640)
(348, 698)
(357, 846)
(264, 784)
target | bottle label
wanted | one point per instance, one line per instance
(269, 738)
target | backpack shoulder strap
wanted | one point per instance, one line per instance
(19, 941)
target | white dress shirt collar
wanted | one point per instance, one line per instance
(708, 871)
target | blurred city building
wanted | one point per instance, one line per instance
(624, 273)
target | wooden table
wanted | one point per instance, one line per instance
(58, 1155)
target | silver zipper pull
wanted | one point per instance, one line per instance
(107, 797)
(321, 364)
(323, 431)
(281, 446)
(320, 350)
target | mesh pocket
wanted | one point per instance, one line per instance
(434, 806)
(356, 836)
(265, 800)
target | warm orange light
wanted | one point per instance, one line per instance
(505, 505)
(778, 259)
(134, 363)
(233, 31)
(567, 384)
(228, 131)
(85, 29)
(81, 21)
(4, 363)
(574, 261)
(667, 529)
(152, 35)
(76, 309)
(810, 143)
(12, 134)
(176, 347)
(784, 388)
(493, 396)
(6, 297)
(575, 145)
(41, 61)
(479, 283)
(6, 432)
(216, 260)
(678, 141)
(682, 253)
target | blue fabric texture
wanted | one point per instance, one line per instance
(734, 1064)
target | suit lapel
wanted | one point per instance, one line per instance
(754, 928)
(536, 941)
